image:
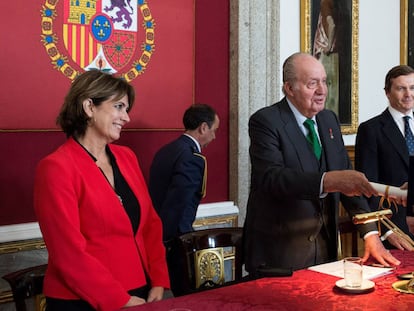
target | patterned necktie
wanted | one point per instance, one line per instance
(409, 138)
(312, 137)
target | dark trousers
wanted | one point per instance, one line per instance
(54, 304)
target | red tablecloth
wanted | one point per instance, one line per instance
(305, 290)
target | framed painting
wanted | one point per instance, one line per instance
(407, 32)
(329, 31)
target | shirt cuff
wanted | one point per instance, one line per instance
(321, 193)
(370, 233)
(386, 235)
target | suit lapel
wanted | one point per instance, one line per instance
(330, 135)
(326, 133)
(298, 140)
(392, 132)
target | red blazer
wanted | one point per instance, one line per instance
(93, 254)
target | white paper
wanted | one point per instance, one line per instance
(393, 192)
(336, 268)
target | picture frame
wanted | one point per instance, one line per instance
(407, 33)
(329, 31)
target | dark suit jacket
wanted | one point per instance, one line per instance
(175, 185)
(381, 154)
(284, 213)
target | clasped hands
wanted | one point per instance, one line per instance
(156, 294)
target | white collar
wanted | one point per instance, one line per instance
(195, 141)
(300, 118)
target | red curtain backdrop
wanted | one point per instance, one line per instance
(158, 58)
(21, 150)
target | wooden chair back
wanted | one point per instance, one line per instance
(27, 284)
(208, 254)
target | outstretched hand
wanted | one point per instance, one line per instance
(349, 182)
(375, 248)
(399, 242)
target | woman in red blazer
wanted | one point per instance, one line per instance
(103, 236)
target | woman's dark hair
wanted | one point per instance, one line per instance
(196, 114)
(97, 86)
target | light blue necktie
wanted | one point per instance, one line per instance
(409, 137)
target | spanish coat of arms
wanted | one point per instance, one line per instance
(98, 34)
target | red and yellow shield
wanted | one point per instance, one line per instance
(101, 34)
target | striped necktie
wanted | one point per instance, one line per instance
(312, 137)
(409, 137)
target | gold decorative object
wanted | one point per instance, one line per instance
(410, 285)
(40, 302)
(383, 217)
(216, 221)
(209, 267)
(406, 286)
(23, 245)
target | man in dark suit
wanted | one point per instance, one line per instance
(381, 151)
(177, 182)
(292, 211)
(177, 172)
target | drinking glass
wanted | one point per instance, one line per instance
(353, 271)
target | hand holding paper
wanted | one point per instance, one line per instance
(391, 192)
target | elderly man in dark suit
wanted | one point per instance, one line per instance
(381, 151)
(299, 175)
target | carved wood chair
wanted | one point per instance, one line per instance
(206, 255)
(28, 284)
